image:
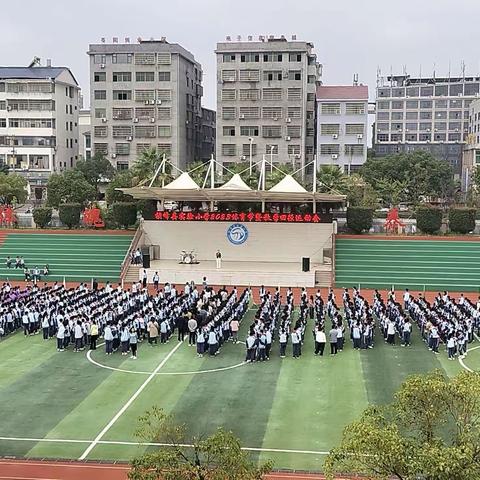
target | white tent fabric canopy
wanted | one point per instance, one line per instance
(183, 182)
(288, 185)
(235, 183)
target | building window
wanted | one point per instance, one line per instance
(271, 148)
(165, 149)
(425, 115)
(228, 57)
(330, 109)
(295, 57)
(441, 114)
(165, 131)
(99, 59)
(382, 137)
(122, 58)
(329, 149)
(411, 126)
(145, 113)
(329, 129)
(144, 76)
(272, 94)
(122, 148)
(249, 94)
(122, 76)
(229, 149)
(164, 95)
(250, 57)
(354, 149)
(142, 147)
(229, 75)
(142, 131)
(383, 116)
(294, 149)
(294, 94)
(100, 113)
(246, 149)
(145, 96)
(164, 113)
(164, 58)
(412, 91)
(229, 131)
(122, 95)
(354, 129)
(294, 131)
(294, 112)
(397, 115)
(163, 76)
(426, 104)
(249, 75)
(397, 105)
(249, 131)
(122, 131)
(100, 94)
(271, 75)
(249, 112)
(411, 104)
(229, 113)
(271, 131)
(228, 94)
(412, 115)
(294, 75)
(122, 113)
(272, 112)
(145, 58)
(99, 131)
(101, 148)
(383, 105)
(100, 77)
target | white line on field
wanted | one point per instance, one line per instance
(156, 444)
(130, 401)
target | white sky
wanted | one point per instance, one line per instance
(350, 36)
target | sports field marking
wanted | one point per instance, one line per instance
(123, 370)
(129, 402)
(155, 444)
(462, 363)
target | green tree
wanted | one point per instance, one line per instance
(429, 218)
(42, 216)
(411, 176)
(359, 219)
(215, 457)
(242, 168)
(69, 214)
(12, 187)
(95, 170)
(359, 193)
(331, 179)
(122, 179)
(147, 164)
(197, 170)
(462, 219)
(124, 214)
(431, 431)
(69, 187)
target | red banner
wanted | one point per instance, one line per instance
(251, 217)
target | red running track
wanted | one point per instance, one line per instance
(43, 470)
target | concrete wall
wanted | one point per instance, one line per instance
(265, 243)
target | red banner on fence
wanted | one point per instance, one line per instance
(251, 217)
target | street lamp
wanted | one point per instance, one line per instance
(272, 147)
(250, 139)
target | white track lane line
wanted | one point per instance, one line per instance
(130, 401)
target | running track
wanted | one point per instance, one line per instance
(40, 470)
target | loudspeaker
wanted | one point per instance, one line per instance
(305, 264)
(146, 260)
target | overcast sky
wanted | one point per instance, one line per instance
(350, 36)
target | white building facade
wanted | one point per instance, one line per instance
(38, 122)
(342, 126)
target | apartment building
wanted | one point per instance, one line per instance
(471, 151)
(429, 114)
(84, 135)
(342, 125)
(144, 95)
(38, 122)
(206, 135)
(266, 100)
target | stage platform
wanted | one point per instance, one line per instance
(241, 273)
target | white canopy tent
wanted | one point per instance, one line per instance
(183, 182)
(235, 183)
(288, 185)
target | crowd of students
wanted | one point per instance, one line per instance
(78, 317)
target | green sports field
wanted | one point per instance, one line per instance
(415, 264)
(75, 257)
(63, 405)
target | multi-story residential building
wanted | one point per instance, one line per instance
(38, 122)
(429, 114)
(206, 134)
(266, 100)
(342, 125)
(144, 95)
(84, 135)
(471, 151)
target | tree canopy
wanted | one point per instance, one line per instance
(215, 457)
(430, 431)
(12, 188)
(96, 169)
(146, 165)
(407, 177)
(122, 179)
(69, 187)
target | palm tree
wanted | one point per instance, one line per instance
(197, 170)
(331, 179)
(147, 164)
(242, 168)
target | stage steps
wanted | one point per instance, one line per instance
(132, 274)
(323, 278)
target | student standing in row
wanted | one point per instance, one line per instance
(133, 343)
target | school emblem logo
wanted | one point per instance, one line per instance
(237, 234)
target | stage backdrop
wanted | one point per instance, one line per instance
(249, 242)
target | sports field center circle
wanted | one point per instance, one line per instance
(462, 361)
(142, 372)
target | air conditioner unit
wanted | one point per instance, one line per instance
(147, 102)
(135, 120)
(288, 120)
(457, 130)
(114, 155)
(287, 138)
(129, 139)
(428, 130)
(360, 136)
(335, 136)
(243, 157)
(298, 156)
(275, 118)
(102, 65)
(104, 120)
(334, 156)
(9, 108)
(152, 102)
(242, 116)
(152, 120)
(159, 102)
(406, 129)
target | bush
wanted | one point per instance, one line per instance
(69, 214)
(124, 213)
(359, 219)
(429, 219)
(462, 219)
(147, 208)
(42, 216)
